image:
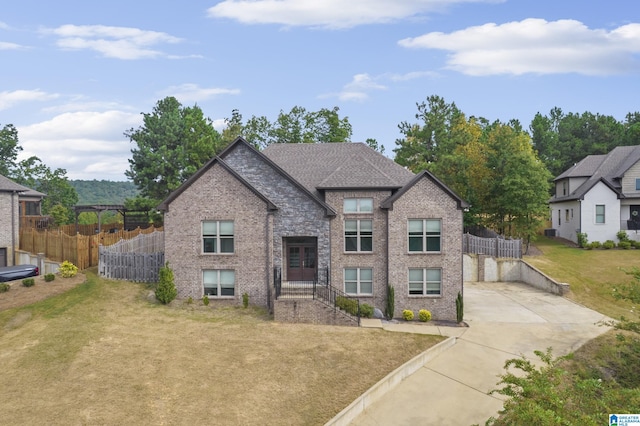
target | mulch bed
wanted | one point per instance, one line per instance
(20, 295)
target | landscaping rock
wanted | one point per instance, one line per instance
(377, 313)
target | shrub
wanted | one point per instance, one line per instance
(49, 277)
(625, 245)
(622, 236)
(582, 239)
(407, 314)
(28, 282)
(609, 244)
(245, 299)
(366, 310)
(424, 315)
(166, 290)
(205, 300)
(459, 308)
(595, 244)
(68, 269)
(635, 244)
(347, 304)
(390, 306)
(190, 300)
(4, 287)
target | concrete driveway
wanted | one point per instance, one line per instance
(506, 320)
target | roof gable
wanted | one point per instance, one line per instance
(388, 203)
(7, 185)
(164, 206)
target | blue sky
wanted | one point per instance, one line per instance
(76, 75)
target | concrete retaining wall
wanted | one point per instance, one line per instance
(377, 391)
(44, 265)
(486, 268)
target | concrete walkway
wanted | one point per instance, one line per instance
(506, 320)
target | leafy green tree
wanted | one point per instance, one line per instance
(295, 126)
(61, 196)
(172, 144)
(9, 150)
(373, 144)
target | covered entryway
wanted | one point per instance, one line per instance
(301, 258)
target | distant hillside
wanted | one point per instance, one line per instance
(103, 191)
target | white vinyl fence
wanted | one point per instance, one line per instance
(496, 247)
(138, 259)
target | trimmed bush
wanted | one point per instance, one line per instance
(4, 287)
(625, 245)
(28, 282)
(390, 306)
(595, 244)
(609, 244)
(245, 300)
(366, 310)
(68, 269)
(407, 314)
(347, 304)
(424, 315)
(49, 277)
(205, 300)
(582, 240)
(166, 290)
(622, 236)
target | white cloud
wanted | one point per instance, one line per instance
(10, 46)
(536, 46)
(113, 42)
(357, 89)
(328, 13)
(89, 145)
(9, 99)
(190, 93)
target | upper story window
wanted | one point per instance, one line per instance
(564, 187)
(600, 217)
(358, 205)
(217, 236)
(637, 184)
(358, 235)
(425, 235)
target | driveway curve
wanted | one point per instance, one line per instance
(506, 320)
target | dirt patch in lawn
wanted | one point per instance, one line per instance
(20, 295)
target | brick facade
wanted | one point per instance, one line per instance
(268, 207)
(426, 200)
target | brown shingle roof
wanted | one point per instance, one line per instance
(338, 166)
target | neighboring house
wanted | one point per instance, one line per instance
(9, 219)
(599, 196)
(340, 215)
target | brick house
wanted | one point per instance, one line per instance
(338, 215)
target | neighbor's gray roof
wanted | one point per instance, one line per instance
(7, 185)
(607, 168)
(347, 165)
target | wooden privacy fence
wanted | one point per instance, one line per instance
(81, 250)
(138, 259)
(496, 247)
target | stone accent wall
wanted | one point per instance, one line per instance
(377, 260)
(218, 195)
(426, 200)
(308, 312)
(6, 224)
(297, 216)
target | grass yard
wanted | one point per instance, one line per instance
(591, 274)
(102, 354)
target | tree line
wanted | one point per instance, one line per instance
(501, 169)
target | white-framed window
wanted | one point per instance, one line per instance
(219, 282)
(425, 281)
(425, 235)
(217, 236)
(358, 205)
(600, 213)
(358, 235)
(358, 281)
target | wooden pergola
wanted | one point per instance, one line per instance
(99, 208)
